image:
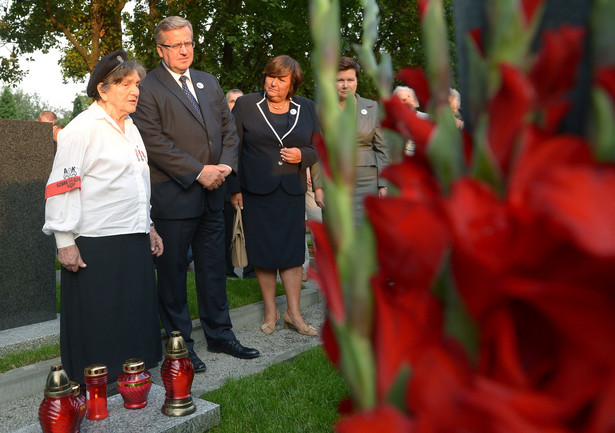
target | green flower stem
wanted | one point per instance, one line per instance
(339, 130)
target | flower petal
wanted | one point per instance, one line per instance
(327, 275)
(404, 120)
(416, 79)
(507, 111)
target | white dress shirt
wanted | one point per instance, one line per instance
(99, 184)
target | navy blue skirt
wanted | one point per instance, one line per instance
(109, 310)
(274, 226)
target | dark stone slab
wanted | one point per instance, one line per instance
(27, 256)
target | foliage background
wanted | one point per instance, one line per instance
(235, 38)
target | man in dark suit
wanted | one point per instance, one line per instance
(192, 144)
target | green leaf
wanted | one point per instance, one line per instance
(603, 129)
(445, 150)
(397, 393)
(457, 321)
(602, 32)
(484, 166)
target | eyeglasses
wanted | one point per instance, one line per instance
(177, 47)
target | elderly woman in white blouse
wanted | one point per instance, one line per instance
(97, 208)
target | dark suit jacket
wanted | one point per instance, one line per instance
(260, 171)
(179, 143)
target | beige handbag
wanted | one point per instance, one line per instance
(239, 255)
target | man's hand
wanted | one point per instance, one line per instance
(156, 242)
(224, 169)
(211, 177)
(70, 258)
(237, 200)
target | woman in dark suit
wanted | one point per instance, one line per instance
(275, 130)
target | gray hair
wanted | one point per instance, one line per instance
(118, 74)
(171, 23)
(230, 92)
(455, 95)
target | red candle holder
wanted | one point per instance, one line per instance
(134, 383)
(96, 391)
(58, 412)
(177, 374)
(81, 402)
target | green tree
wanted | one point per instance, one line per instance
(235, 38)
(92, 28)
(28, 105)
(78, 106)
(8, 108)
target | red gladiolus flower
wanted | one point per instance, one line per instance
(413, 264)
(403, 119)
(529, 9)
(416, 79)
(441, 377)
(414, 181)
(321, 148)
(554, 72)
(384, 418)
(329, 342)
(327, 276)
(422, 7)
(557, 180)
(411, 313)
(507, 112)
(477, 36)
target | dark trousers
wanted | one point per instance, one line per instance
(229, 216)
(206, 236)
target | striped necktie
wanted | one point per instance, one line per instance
(190, 96)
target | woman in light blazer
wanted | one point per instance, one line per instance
(372, 152)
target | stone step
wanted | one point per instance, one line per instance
(147, 419)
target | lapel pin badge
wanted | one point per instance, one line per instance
(293, 111)
(364, 111)
(200, 85)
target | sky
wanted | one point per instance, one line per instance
(44, 77)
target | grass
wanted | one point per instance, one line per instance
(297, 396)
(30, 356)
(240, 292)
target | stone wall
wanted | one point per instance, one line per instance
(27, 256)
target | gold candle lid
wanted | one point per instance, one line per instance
(58, 384)
(95, 370)
(176, 346)
(133, 365)
(75, 387)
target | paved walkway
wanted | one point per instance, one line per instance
(278, 347)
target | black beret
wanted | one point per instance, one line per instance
(105, 66)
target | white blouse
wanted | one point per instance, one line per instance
(99, 184)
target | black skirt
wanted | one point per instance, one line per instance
(274, 226)
(109, 310)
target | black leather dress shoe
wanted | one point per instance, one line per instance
(233, 348)
(199, 365)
